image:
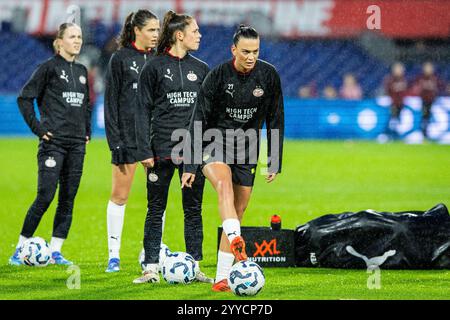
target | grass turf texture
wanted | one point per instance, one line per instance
(318, 178)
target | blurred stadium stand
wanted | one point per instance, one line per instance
(323, 62)
(301, 61)
(21, 54)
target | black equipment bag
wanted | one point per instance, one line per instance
(267, 247)
(368, 239)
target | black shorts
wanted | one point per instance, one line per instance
(124, 156)
(242, 174)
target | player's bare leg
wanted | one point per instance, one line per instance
(241, 199)
(122, 179)
(232, 203)
(219, 175)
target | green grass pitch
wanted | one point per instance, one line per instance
(318, 178)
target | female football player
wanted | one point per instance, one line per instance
(240, 94)
(167, 92)
(61, 90)
(138, 37)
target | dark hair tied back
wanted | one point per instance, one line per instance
(172, 23)
(134, 19)
(244, 31)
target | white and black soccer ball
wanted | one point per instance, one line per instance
(163, 253)
(179, 267)
(35, 252)
(246, 278)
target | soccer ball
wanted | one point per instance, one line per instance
(246, 278)
(179, 267)
(163, 253)
(35, 252)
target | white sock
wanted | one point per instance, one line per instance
(56, 244)
(21, 241)
(163, 224)
(232, 228)
(224, 263)
(114, 216)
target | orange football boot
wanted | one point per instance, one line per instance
(221, 286)
(237, 247)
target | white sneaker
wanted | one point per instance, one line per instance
(147, 277)
(201, 277)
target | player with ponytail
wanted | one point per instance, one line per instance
(167, 92)
(137, 41)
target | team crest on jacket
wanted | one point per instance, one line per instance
(258, 92)
(192, 76)
(82, 79)
(153, 177)
(50, 162)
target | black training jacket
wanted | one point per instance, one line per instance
(167, 92)
(61, 90)
(121, 84)
(233, 100)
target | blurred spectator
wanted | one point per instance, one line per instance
(329, 92)
(89, 57)
(396, 87)
(308, 91)
(350, 89)
(107, 51)
(428, 86)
